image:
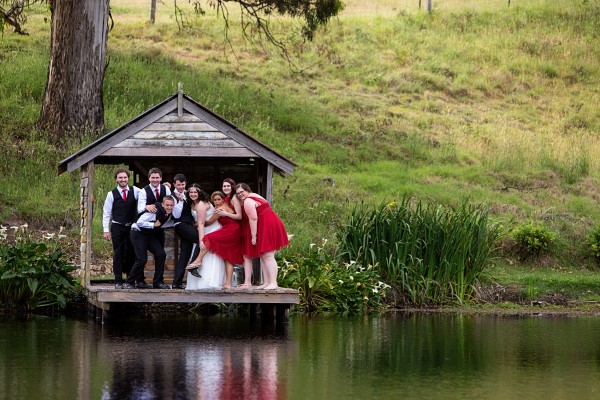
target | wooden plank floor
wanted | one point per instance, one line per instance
(106, 293)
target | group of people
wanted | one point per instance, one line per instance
(229, 227)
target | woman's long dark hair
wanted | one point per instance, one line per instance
(202, 195)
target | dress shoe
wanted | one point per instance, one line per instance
(119, 285)
(194, 271)
(143, 285)
(128, 285)
(162, 285)
(178, 287)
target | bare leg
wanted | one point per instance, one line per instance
(266, 273)
(270, 268)
(198, 261)
(228, 274)
(247, 273)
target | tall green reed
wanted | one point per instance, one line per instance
(428, 253)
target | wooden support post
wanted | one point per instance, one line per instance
(267, 312)
(282, 313)
(86, 207)
(269, 188)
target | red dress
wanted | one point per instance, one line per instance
(270, 232)
(226, 242)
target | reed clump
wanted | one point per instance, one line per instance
(427, 252)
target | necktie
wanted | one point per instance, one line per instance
(124, 194)
(156, 194)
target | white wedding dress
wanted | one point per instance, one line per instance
(213, 266)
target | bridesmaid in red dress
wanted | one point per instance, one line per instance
(263, 233)
(224, 242)
(228, 188)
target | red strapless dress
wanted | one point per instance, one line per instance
(226, 242)
(270, 233)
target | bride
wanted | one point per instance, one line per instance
(212, 273)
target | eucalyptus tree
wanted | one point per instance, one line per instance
(79, 32)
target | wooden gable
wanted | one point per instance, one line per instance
(177, 127)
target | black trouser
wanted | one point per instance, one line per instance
(143, 241)
(123, 253)
(188, 236)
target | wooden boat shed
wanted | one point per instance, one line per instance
(178, 135)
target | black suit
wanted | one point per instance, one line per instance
(188, 236)
(144, 239)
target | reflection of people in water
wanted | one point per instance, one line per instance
(177, 363)
(135, 377)
(234, 370)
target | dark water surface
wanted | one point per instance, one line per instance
(398, 356)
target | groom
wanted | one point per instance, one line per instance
(144, 239)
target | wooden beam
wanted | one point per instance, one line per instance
(107, 294)
(134, 143)
(178, 152)
(169, 135)
(182, 126)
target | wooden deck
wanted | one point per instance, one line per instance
(102, 294)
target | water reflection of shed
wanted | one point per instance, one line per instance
(177, 135)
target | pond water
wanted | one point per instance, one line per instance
(412, 356)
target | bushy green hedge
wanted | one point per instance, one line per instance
(34, 274)
(428, 253)
(533, 239)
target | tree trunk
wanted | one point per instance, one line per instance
(73, 102)
(152, 11)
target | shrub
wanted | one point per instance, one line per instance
(533, 239)
(33, 274)
(325, 285)
(594, 243)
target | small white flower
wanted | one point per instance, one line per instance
(340, 281)
(375, 291)
(62, 236)
(351, 278)
(312, 245)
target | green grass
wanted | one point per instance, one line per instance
(478, 101)
(572, 283)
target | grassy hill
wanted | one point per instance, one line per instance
(490, 103)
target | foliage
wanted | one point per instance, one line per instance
(594, 243)
(429, 253)
(533, 239)
(34, 274)
(325, 285)
(390, 102)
